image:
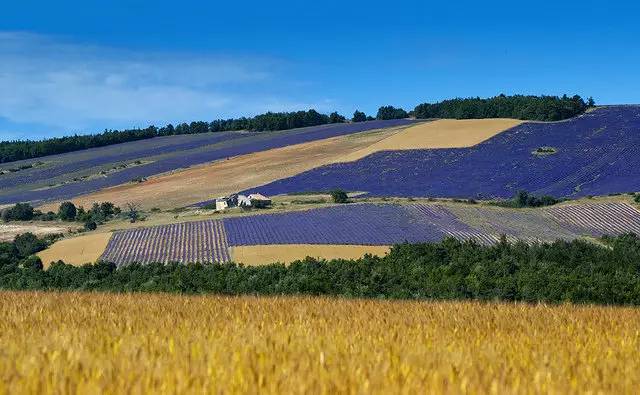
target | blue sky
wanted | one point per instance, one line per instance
(83, 66)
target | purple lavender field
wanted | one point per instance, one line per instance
(362, 224)
(597, 153)
(164, 153)
(598, 219)
(368, 224)
(191, 242)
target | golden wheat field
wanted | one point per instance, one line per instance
(149, 343)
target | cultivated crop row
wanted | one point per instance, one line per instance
(362, 224)
(201, 241)
(368, 224)
(599, 219)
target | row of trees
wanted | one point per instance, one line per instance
(98, 214)
(539, 108)
(18, 150)
(524, 199)
(576, 271)
(542, 108)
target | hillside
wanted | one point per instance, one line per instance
(68, 175)
(593, 154)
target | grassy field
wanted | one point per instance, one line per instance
(90, 343)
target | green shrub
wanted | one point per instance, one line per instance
(19, 212)
(27, 244)
(67, 211)
(339, 196)
(563, 271)
(523, 199)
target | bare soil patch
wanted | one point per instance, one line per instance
(9, 231)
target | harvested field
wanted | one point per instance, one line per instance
(444, 133)
(159, 343)
(77, 250)
(235, 174)
(287, 253)
(9, 231)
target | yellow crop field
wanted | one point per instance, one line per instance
(152, 343)
(287, 253)
(76, 250)
(443, 133)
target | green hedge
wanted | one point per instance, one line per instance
(576, 271)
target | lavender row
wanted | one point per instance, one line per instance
(367, 224)
(58, 165)
(598, 153)
(202, 241)
(598, 219)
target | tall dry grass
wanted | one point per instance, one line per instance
(143, 343)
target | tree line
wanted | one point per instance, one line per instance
(270, 121)
(536, 108)
(98, 214)
(541, 108)
(563, 271)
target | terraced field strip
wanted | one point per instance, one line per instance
(189, 242)
(600, 218)
(213, 148)
(330, 232)
(201, 183)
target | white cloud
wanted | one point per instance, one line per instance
(68, 86)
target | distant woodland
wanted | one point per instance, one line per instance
(540, 108)
(535, 108)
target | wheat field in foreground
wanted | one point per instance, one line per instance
(151, 343)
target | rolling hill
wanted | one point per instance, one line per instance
(65, 176)
(594, 154)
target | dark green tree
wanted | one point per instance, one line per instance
(67, 211)
(339, 196)
(390, 112)
(28, 244)
(359, 116)
(334, 117)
